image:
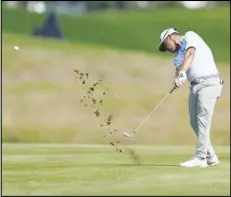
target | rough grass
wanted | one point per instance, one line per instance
(41, 169)
(41, 96)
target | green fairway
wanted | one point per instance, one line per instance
(40, 169)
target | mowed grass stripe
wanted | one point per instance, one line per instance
(99, 170)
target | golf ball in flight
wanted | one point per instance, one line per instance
(16, 48)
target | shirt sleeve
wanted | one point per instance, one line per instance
(191, 40)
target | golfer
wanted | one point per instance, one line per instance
(194, 62)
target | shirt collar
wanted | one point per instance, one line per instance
(181, 40)
(181, 43)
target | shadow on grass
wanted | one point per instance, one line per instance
(88, 165)
(121, 165)
(150, 165)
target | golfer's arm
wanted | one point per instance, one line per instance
(176, 73)
(190, 53)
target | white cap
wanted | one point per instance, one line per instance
(164, 35)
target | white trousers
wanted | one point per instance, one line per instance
(202, 101)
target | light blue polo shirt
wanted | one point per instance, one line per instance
(179, 56)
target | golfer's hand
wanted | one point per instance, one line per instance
(181, 78)
(176, 83)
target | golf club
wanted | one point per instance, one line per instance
(130, 135)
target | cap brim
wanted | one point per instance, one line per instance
(161, 47)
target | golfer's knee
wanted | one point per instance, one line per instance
(203, 122)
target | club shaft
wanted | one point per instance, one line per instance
(153, 111)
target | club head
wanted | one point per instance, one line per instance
(125, 134)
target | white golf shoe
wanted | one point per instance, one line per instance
(195, 162)
(213, 161)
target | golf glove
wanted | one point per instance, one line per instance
(182, 77)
